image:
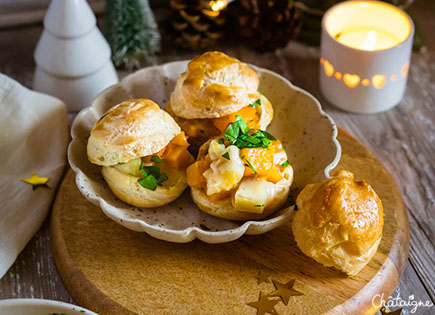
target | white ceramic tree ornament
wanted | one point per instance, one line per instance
(72, 56)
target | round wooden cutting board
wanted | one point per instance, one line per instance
(112, 270)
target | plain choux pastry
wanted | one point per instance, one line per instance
(339, 222)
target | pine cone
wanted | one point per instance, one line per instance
(266, 25)
(191, 25)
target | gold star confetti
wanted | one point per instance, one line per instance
(36, 181)
(284, 291)
(262, 277)
(265, 305)
(385, 310)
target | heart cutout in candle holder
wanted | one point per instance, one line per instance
(365, 82)
(329, 69)
(351, 80)
(378, 80)
(405, 69)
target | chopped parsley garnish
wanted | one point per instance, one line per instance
(237, 133)
(268, 135)
(162, 178)
(286, 163)
(234, 129)
(204, 227)
(256, 103)
(156, 159)
(148, 182)
(152, 177)
(252, 139)
(251, 167)
(226, 155)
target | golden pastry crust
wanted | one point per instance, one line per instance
(265, 111)
(132, 129)
(214, 85)
(225, 209)
(126, 187)
(339, 222)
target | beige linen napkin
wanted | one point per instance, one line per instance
(33, 138)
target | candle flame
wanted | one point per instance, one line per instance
(370, 41)
(217, 5)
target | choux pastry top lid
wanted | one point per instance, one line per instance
(132, 129)
(214, 85)
(353, 204)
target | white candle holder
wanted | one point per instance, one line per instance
(362, 71)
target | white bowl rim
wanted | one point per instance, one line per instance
(190, 233)
(41, 302)
(337, 157)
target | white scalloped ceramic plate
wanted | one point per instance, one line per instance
(308, 134)
(40, 307)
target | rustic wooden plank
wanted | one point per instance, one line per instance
(83, 256)
(402, 138)
(18, 13)
(422, 12)
(16, 53)
(410, 287)
(34, 274)
(422, 258)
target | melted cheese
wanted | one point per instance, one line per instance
(279, 158)
(223, 174)
(253, 195)
(215, 150)
(132, 167)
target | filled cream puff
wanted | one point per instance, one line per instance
(143, 153)
(240, 175)
(214, 89)
(339, 222)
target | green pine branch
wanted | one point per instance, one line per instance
(131, 31)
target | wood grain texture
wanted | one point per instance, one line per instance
(34, 274)
(403, 139)
(112, 270)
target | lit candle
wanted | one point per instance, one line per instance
(365, 53)
(214, 7)
(367, 39)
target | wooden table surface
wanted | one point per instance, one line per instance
(403, 138)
